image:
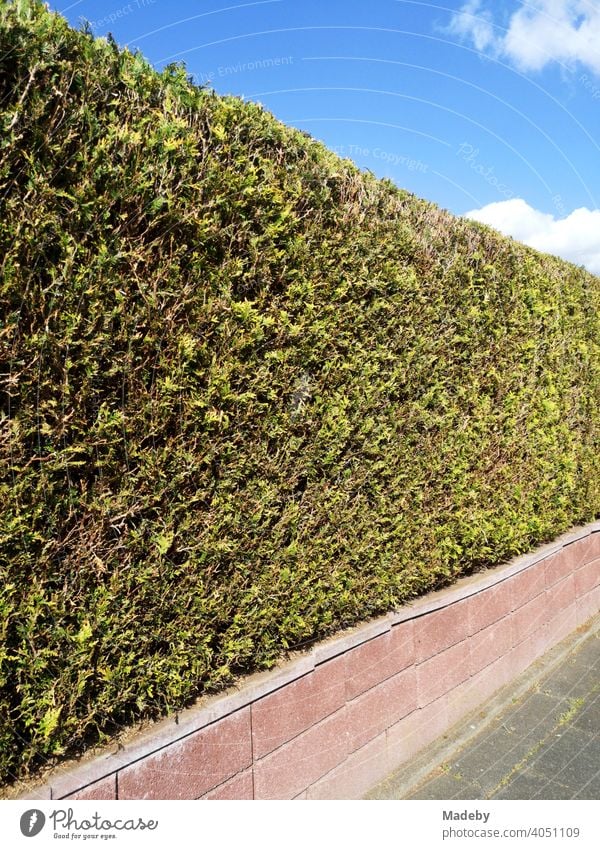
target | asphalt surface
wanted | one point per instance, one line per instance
(541, 742)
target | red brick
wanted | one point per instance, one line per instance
(443, 672)
(356, 775)
(104, 789)
(473, 692)
(560, 596)
(239, 787)
(493, 642)
(563, 624)
(192, 766)
(583, 550)
(296, 765)
(282, 715)
(595, 594)
(593, 550)
(489, 606)
(414, 732)
(561, 564)
(380, 707)
(528, 619)
(437, 631)
(529, 650)
(402, 640)
(587, 577)
(588, 606)
(528, 584)
(368, 664)
(379, 659)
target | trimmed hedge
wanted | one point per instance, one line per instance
(248, 394)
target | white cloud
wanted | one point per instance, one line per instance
(471, 21)
(538, 32)
(576, 237)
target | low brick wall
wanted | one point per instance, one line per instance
(336, 720)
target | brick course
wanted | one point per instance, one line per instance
(382, 706)
(491, 643)
(530, 618)
(356, 774)
(239, 787)
(379, 659)
(587, 577)
(295, 766)
(443, 672)
(489, 606)
(282, 715)
(192, 766)
(441, 629)
(561, 564)
(528, 584)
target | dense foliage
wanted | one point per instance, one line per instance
(248, 394)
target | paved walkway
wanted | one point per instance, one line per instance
(543, 743)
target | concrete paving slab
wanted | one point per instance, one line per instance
(590, 790)
(524, 786)
(534, 786)
(571, 757)
(488, 763)
(589, 718)
(577, 673)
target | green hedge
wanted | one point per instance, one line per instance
(248, 394)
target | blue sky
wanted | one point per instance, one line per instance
(488, 107)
